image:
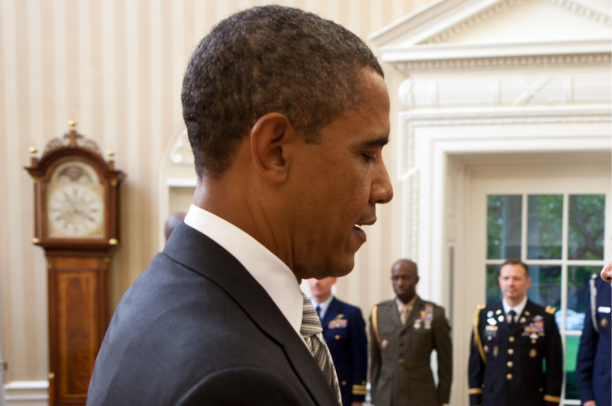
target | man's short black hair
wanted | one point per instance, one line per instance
(516, 261)
(268, 59)
(408, 262)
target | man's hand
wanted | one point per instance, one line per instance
(589, 403)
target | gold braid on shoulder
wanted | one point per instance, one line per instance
(375, 323)
(477, 340)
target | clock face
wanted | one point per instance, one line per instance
(75, 205)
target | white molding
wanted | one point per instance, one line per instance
(579, 9)
(426, 137)
(561, 114)
(454, 16)
(181, 182)
(27, 393)
(489, 63)
(594, 51)
(533, 88)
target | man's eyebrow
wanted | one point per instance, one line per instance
(380, 141)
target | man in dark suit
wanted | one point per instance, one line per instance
(403, 334)
(594, 356)
(510, 342)
(344, 333)
(287, 115)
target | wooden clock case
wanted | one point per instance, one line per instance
(78, 269)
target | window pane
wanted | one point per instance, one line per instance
(504, 226)
(545, 288)
(571, 352)
(586, 226)
(578, 294)
(544, 226)
(493, 291)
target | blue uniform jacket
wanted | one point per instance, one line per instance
(344, 332)
(593, 364)
(506, 366)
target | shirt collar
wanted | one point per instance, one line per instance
(518, 308)
(401, 306)
(322, 306)
(267, 269)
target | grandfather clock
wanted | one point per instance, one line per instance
(76, 197)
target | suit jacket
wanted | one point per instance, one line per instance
(594, 358)
(344, 333)
(506, 366)
(196, 328)
(400, 370)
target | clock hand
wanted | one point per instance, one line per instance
(70, 201)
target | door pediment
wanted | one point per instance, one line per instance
(460, 29)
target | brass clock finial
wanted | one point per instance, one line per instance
(111, 159)
(72, 123)
(33, 159)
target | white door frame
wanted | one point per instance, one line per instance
(433, 206)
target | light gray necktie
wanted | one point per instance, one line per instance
(311, 330)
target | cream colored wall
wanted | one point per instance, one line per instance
(116, 67)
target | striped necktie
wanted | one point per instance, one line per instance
(311, 330)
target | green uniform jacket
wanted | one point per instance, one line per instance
(400, 371)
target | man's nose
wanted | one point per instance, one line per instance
(382, 191)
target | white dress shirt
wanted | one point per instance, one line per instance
(322, 306)
(266, 268)
(518, 308)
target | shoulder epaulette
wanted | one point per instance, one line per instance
(375, 323)
(477, 340)
(550, 310)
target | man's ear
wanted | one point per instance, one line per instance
(268, 139)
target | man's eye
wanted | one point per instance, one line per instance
(369, 158)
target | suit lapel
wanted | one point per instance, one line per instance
(499, 311)
(204, 256)
(392, 315)
(415, 313)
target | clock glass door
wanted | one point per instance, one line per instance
(75, 205)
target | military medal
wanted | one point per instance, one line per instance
(490, 332)
(384, 343)
(501, 318)
(417, 324)
(498, 311)
(522, 320)
(486, 349)
(427, 316)
(495, 351)
(490, 314)
(338, 322)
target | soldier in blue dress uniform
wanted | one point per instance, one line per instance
(344, 333)
(594, 356)
(510, 341)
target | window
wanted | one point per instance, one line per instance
(561, 238)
